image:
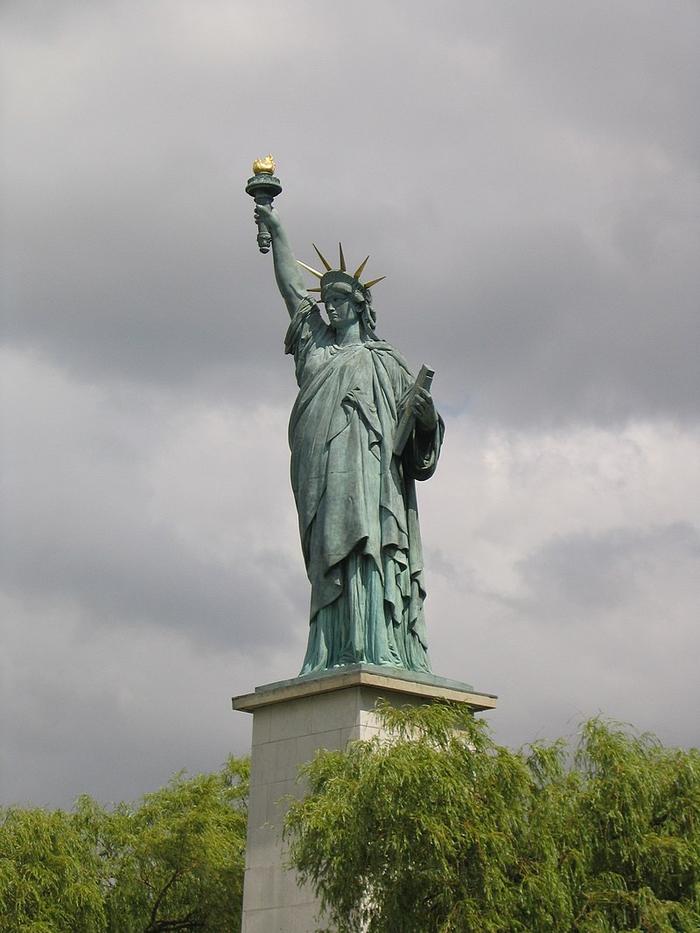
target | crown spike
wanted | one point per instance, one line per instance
(319, 275)
(358, 272)
(313, 289)
(373, 282)
(343, 267)
(322, 258)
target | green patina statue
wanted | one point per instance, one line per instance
(354, 489)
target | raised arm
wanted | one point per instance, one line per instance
(287, 273)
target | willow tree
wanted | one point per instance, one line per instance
(50, 874)
(442, 829)
(172, 861)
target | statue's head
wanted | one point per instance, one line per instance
(346, 304)
(347, 300)
(343, 294)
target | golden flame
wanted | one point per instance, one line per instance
(264, 166)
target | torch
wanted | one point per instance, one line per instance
(263, 187)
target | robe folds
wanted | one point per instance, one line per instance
(356, 500)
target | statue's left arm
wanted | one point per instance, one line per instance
(423, 449)
(424, 410)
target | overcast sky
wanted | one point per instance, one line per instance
(525, 175)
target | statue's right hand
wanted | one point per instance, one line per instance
(264, 213)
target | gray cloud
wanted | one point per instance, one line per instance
(525, 176)
(82, 525)
(590, 572)
(526, 180)
(605, 624)
(112, 712)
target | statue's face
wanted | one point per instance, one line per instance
(340, 308)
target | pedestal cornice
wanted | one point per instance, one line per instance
(385, 679)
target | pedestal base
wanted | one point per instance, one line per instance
(292, 719)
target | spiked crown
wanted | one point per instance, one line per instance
(340, 276)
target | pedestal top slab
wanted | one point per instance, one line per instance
(388, 679)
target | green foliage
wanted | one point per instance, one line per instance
(173, 862)
(49, 875)
(440, 829)
(178, 858)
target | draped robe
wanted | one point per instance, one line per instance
(356, 500)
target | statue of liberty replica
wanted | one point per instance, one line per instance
(361, 432)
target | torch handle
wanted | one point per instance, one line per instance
(263, 188)
(264, 238)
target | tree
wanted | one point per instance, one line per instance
(441, 829)
(172, 862)
(177, 860)
(49, 875)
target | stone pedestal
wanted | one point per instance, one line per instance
(291, 720)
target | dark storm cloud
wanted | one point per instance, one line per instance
(524, 175)
(84, 474)
(587, 572)
(576, 334)
(623, 71)
(124, 572)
